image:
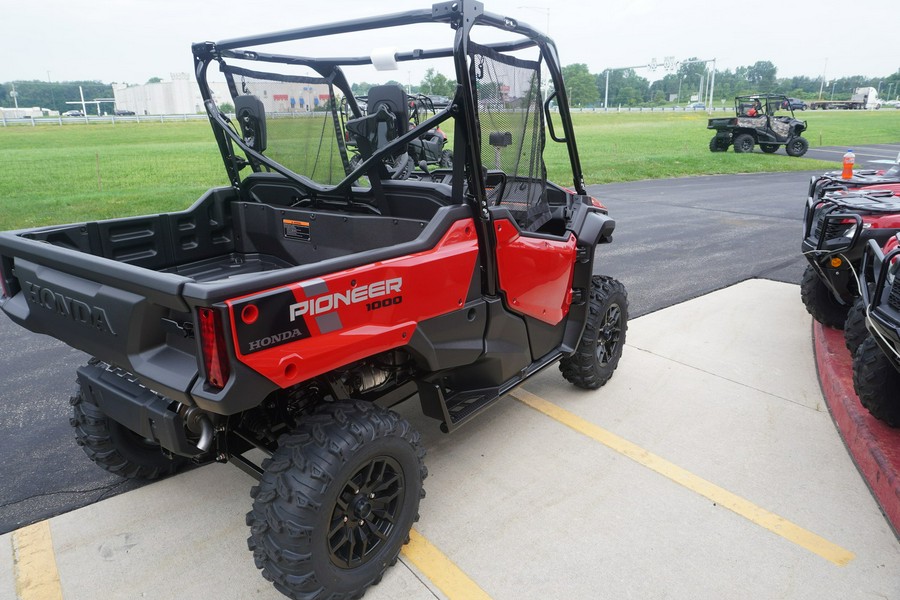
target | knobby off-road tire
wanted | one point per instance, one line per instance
(797, 146)
(598, 352)
(336, 501)
(820, 302)
(769, 148)
(717, 144)
(876, 382)
(855, 331)
(116, 448)
(446, 160)
(743, 143)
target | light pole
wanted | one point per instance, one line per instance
(822, 85)
(15, 96)
(680, 81)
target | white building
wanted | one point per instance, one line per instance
(23, 112)
(181, 96)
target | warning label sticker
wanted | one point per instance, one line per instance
(296, 230)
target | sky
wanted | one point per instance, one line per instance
(131, 41)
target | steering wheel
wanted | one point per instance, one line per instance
(402, 167)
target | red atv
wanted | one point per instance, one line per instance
(876, 363)
(839, 218)
(289, 310)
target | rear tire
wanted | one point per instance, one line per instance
(820, 302)
(718, 144)
(797, 146)
(743, 143)
(855, 332)
(114, 447)
(598, 352)
(336, 501)
(876, 382)
(769, 148)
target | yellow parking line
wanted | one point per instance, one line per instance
(35, 563)
(435, 565)
(778, 525)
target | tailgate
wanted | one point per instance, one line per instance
(124, 315)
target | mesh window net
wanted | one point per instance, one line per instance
(302, 122)
(508, 94)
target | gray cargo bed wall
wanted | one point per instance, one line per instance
(302, 237)
(155, 242)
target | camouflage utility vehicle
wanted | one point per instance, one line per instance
(286, 312)
(765, 120)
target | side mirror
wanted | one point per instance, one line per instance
(251, 114)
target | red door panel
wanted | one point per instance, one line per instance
(535, 273)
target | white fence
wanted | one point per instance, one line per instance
(32, 121)
(35, 121)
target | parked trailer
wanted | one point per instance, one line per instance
(864, 97)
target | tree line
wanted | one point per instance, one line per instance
(627, 88)
(52, 95)
(585, 89)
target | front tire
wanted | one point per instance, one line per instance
(797, 146)
(820, 302)
(876, 382)
(114, 447)
(855, 331)
(598, 352)
(336, 501)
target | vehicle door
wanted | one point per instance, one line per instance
(535, 254)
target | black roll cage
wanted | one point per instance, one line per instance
(461, 15)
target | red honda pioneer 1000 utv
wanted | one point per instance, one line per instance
(288, 311)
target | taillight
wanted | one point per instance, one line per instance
(212, 343)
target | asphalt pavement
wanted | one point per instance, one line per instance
(871, 156)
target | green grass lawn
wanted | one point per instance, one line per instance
(54, 174)
(632, 146)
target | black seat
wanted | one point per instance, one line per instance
(387, 119)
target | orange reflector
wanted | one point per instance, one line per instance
(836, 262)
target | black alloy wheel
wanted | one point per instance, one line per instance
(600, 348)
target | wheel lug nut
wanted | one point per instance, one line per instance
(361, 522)
(346, 519)
(372, 495)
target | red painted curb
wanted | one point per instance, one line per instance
(874, 446)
